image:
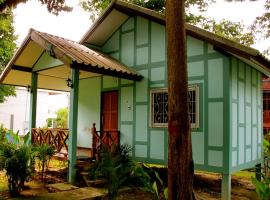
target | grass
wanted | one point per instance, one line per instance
(3, 181)
(244, 174)
(58, 164)
(55, 164)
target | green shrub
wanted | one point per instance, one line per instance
(44, 153)
(118, 169)
(262, 187)
(3, 131)
(18, 164)
(62, 118)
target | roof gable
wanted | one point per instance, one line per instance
(124, 9)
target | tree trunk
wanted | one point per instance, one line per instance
(180, 163)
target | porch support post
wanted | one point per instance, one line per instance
(33, 103)
(73, 120)
(226, 187)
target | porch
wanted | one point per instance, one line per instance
(49, 62)
(58, 138)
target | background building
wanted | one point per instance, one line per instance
(14, 113)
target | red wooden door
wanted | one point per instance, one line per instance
(109, 111)
(109, 118)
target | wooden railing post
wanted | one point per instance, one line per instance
(94, 139)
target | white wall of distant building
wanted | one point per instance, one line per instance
(48, 102)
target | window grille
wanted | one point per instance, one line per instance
(159, 107)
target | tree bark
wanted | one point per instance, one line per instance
(180, 163)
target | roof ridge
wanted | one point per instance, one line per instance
(83, 47)
(54, 35)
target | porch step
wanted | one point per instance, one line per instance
(83, 166)
(92, 183)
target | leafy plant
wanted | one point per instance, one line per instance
(49, 122)
(115, 165)
(44, 153)
(26, 138)
(26, 160)
(266, 145)
(118, 169)
(262, 187)
(157, 185)
(3, 132)
(18, 164)
(9, 136)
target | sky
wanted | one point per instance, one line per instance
(73, 25)
(70, 25)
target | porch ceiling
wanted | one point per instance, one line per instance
(53, 57)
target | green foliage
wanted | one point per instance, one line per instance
(231, 30)
(6, 91)
(15, 136)
(25, 159)
(262, 23)
(157, 185)
(97, 6)
(62, 118)
(262, 187)
(3, 132)
(26, 138)
(118, 169)
(44, 153)
(7, 47)
(114, 166)
(53, 6)
(18, 164)
(49, 122)
(266, 147)
(12, 137)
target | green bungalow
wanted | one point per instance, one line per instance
(117, 78)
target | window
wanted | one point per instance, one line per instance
(159, 107)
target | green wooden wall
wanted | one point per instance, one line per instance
(88, 110)
(140, 44)
(246, 116)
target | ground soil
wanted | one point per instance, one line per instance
(36, 185)
(206, 186)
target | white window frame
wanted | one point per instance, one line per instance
(152, 92)
(197, 104)
(165, 125)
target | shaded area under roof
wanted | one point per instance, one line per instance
(64, 54)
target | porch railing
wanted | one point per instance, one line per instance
(103, 138)
(52, 136)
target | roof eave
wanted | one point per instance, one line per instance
(97, 22)
(217, 41)
(15, 56)
(99, 70)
